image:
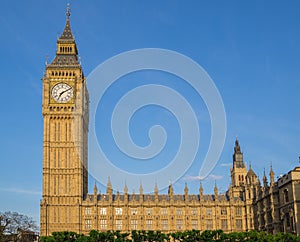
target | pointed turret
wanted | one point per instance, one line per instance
(155, 189)
(238, 156)
(109, 187)
(95, 193)
(156, 192)
(201, 191)
(95, 189)
(66, 51)
(216, 192)
(186, 192)
(170, 190)
(125, 189)
(125, 193)
(141, 189)
(141, 193)
(186, 189)
(265, 180)
(272, 180)
(238, 171)
(67, 33)
(251, 177)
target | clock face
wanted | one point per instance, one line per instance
(62, 92)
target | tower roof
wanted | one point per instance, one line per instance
(271, 171)
(237, 148)
(66, 51)
(238, 161)
(67, 33)
(251, 172)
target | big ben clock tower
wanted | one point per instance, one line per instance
(65, 112)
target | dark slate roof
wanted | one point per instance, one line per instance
(161, 197)
(67, 33)
(62, 60)
(66, 59)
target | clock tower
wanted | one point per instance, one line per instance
(65, 111)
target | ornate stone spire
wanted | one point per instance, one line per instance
(125, 188)
(237, 148)
(156, 192)
(125, 193)
(155, 189)
(141, 193)
(265, 180)
(141, 189)
(67, 33)
(201, 189)
(216, 190)
(109, 187)
(186, 189)
(186, 192)
(66, 50)
(170, 190)
(251, 176)
(238, 161)
(271, 176)
(95, 189)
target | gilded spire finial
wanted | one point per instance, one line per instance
(68, 13)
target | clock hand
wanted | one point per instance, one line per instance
(64, 92)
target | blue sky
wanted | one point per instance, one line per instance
(249, 48)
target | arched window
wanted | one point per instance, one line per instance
(286, 195)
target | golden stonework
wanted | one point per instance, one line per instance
(66, 204)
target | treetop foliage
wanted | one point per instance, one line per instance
(157, 236)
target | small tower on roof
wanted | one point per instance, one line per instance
(141, 189)
(265, 180)
(66, 51)
(201, 191)
(170, 190)
(186, 192)
(238, 161)
(125, 188)
(156, 192)
(272, 180)
(156, 189)
(141, 193)
(251, 177)
(216, 192)
(109, 187)
(239, 171)
(95, 188)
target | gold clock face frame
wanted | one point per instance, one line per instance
(62, 92)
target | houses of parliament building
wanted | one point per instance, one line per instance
(272, 206)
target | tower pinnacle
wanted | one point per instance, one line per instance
(68, 13)
(66, 50)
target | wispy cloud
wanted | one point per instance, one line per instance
(18, 190)
(200, 178)
(226, 164)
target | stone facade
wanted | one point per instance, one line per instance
(66, 204)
